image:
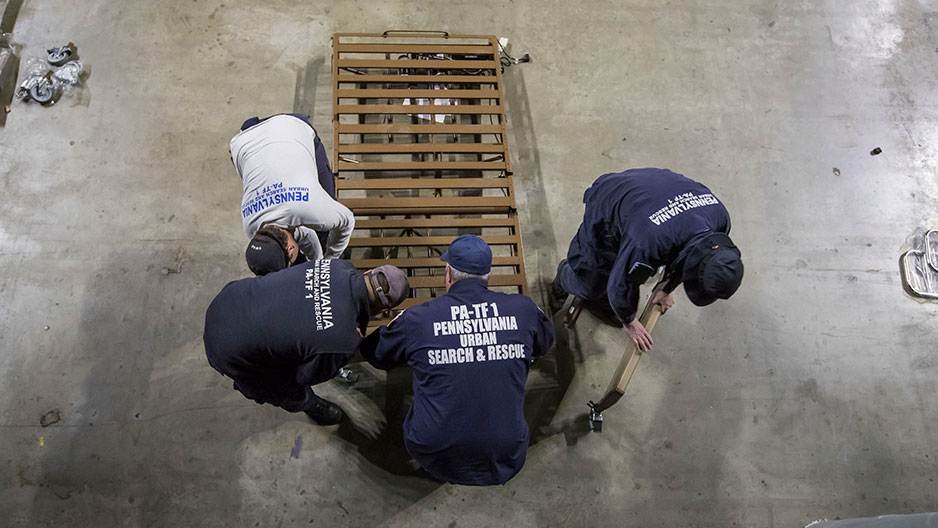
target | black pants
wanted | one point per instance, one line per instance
(281, 387)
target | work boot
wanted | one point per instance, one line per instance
(324, 412)
(556, 295)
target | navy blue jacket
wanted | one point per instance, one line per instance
(636, 221)
(257, 327)
(470, 351)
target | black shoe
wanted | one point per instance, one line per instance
(556, 295)
(324, 412)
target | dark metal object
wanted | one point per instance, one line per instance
(595, 418)
(571, 310)
(876, 151)
(349, 376)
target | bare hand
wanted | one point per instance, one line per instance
(637, 333)
(664, 300)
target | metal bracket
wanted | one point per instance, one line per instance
(596, 418)
(571, 310)
(349, 376)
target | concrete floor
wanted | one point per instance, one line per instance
(810, 394)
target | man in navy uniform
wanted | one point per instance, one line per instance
(636, 221)
(470, 351)
(278, 334)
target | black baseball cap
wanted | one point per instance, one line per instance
(469, 254)
(265, 255)
(713, 270)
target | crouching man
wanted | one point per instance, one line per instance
(470, 351)
(278, 334)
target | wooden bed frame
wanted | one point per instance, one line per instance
(420, 153)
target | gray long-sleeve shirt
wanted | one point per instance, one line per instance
(277, 164)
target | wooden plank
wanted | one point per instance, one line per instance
(421, 165)
(418, 109)
(415, 79)
(403, 128)
(414, 48)
(504, 132)
(335, 104)
(428, 262)
(629, 360)
(415, 34)
(437, 221)
(380, 210)
(520, 251)
(412, 301)
(378, 93)
(438, 282)
(408, 148)
(420, 183)
(364, 205)
(420, 241)
(419, 64)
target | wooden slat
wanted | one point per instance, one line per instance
(411, 302)
(420, 183)
(377, 93)
(379, 210)
(419, 109)
(420, 165)
(402, 128)
(437, 281)
(441, 240)
(407, 148)
(520, 251)
(430, 34)
(419, 64)
(414, 48)
(415, 79)
(429, 262)
(498, 73)
(373, 204)
(437, 221)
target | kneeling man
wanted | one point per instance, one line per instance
(278, 334)
(470, 351)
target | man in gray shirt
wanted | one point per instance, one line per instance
(288, 194)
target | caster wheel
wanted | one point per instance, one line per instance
(59, 56)
(42, 93)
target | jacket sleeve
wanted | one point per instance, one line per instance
(391, 347)
(308, 242)
(621, 290)
(544, 333)
(340, 226)
(672, 278)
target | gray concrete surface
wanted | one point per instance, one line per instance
(811, 394)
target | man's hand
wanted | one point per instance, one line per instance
(664, 300)
(637, 333)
